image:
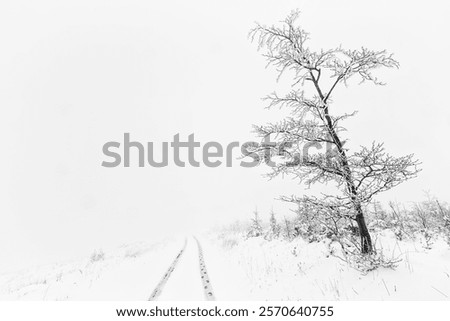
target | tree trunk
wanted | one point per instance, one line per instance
(366, 241)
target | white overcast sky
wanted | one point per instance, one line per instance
(76, 74)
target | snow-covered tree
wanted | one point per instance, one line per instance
(255, 228)
(358, 175)
(287, 229)
(274, 227)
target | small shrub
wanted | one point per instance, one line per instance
(256, 228)
(97, 256)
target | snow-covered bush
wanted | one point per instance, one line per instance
(428, 220)
(274, 228)
(424, 221)
(256, 227)
(230, 236)
(97, 255)
(314, 225)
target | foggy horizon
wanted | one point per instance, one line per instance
(85, 73)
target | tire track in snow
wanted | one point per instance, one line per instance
(157, 291)
(207, 288)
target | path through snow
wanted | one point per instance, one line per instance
(187, 277)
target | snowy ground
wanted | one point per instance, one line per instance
(128, 273)
(297, 270)
(169, 270)
(230, 267)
